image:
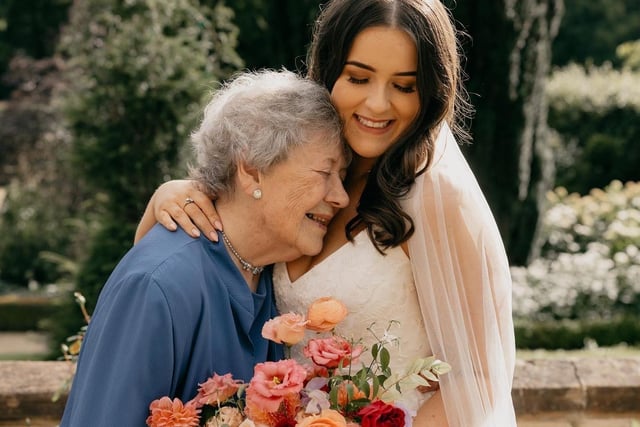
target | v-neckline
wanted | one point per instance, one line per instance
(331, 255)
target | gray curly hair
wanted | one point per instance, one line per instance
(257, 117)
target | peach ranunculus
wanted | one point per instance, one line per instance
(330, 352)
(273, 394)
(216, 390)
(325, 313)
(173, 413)
(227, 416)
(287, 328)
(327, 418)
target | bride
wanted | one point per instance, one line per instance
(417, 243)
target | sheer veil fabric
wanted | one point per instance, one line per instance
(463, 283)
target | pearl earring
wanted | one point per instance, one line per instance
(257, 194)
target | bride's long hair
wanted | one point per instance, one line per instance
(442, 98)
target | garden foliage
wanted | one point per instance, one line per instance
(587, 280)
(139, 72)
(596, 111)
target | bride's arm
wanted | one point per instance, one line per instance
(168, 206)
(431, 413)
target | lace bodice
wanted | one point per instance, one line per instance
(375, 288)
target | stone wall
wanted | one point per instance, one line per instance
(552, 389)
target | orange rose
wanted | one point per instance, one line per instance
(325, 313)
(327, 418)
(288, 328)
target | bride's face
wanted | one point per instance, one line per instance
(301, 194)
(376, 93)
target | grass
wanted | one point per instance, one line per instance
(618, 351)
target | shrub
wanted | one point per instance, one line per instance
(589, 271)
(595, 111)
(138, 73)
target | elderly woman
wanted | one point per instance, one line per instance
(175, 310)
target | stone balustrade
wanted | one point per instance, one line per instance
(567, 389)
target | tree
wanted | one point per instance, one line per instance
(592, 29)
(508, 63)
(31, 27)
(274, 33)
(139, 71)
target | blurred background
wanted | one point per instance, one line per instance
(97, 98)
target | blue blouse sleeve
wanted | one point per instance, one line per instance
(127, 357)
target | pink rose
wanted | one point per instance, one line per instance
(380, 414)
(325, 313)
(216, 390)
(173, 413)
(330, 352)
(288, 328)
(272, 382)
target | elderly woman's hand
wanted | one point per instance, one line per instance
(179, 201)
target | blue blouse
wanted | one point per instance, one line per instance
(174, 311)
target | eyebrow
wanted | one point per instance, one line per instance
(370, 68)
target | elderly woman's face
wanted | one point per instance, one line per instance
(302, 194)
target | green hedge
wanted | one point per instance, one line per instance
(570, 335)
(26, 315)
(596, 112)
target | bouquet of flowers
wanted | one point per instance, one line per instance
(330, 390)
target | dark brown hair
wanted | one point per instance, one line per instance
(442, 98)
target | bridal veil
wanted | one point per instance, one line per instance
(464, 289)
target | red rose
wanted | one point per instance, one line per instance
(380, 414)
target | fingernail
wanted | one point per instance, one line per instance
(218, 225)
(173, 227)
(214, 236)
(195, 232)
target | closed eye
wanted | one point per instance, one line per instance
(405, 89)
(357, 81)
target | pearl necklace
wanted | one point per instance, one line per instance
(246, 265)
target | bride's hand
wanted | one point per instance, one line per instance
(171, 204)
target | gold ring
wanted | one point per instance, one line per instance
(187, 201)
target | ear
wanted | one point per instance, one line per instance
(249, 178)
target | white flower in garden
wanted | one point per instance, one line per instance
(579, 264)
(618, 229)
(561, 216)
(620, 258)
(583, 230)
(633, 252)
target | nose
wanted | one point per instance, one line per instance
(337, 196)
(378, 98)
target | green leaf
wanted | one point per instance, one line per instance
(374, 351)
(385, 357)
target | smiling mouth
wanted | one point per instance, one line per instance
(371, 124)
(319, 220)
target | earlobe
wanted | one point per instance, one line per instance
(249, 180)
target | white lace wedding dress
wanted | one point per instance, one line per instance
(376, 290)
